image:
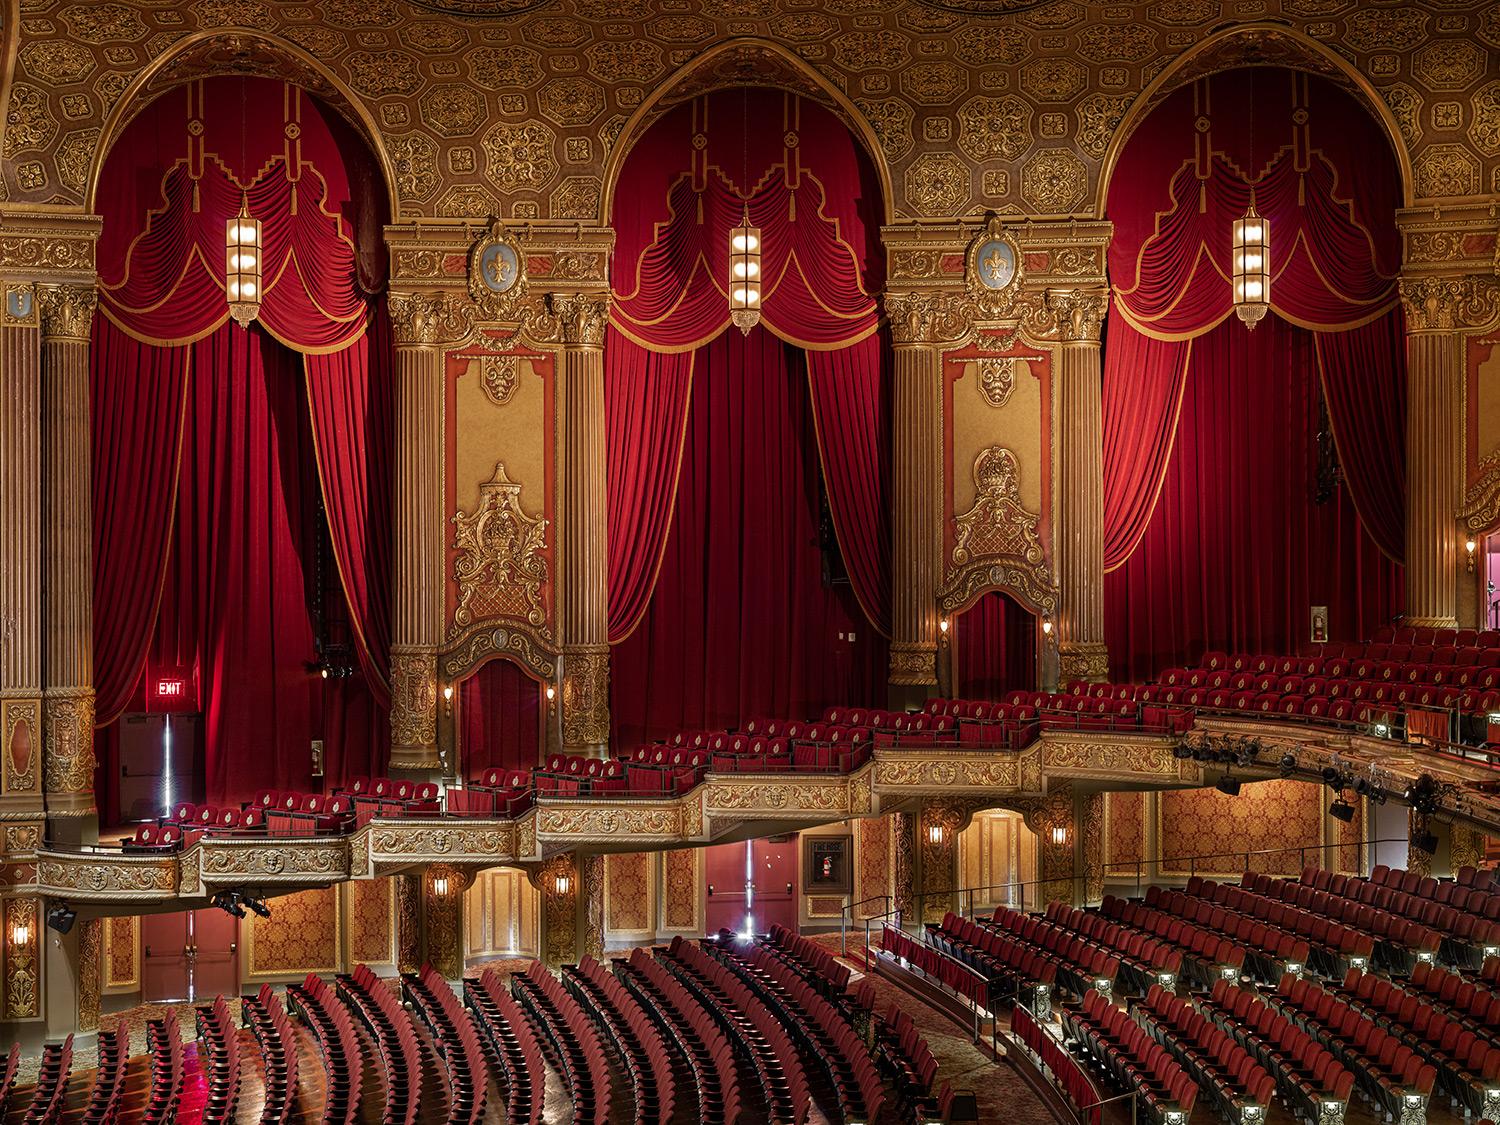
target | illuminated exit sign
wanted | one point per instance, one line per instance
(173, 692)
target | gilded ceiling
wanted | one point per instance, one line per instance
(513, 107)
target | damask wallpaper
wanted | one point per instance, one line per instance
(370, 906)
(301, 936)
(628, 895)
(519, 112)
(681, 895)
(1125, 832)
(122, 947)
(1278, 817)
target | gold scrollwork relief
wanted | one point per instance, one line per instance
(1449, 304)
(500, 569)
(997, 379)
(997, 543)
(585, 696)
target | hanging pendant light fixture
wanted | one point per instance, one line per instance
(1252, 266)
(1251, 248)
(744, 274)
(242, 265)
(744, 242)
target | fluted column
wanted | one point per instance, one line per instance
(1432, 477)
(916, 525)
(1080, 502)
(585, 656)
(67, 312)
(422, 323)
(20, 547)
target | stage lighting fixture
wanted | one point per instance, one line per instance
(1182, 751)
(1341, 810)
(229, 903)
(1288, 765)
(257, 905)
(1229, 786)
(61, 918)
(1426, 842)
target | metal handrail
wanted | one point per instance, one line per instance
(1140, 865)
(846, 914)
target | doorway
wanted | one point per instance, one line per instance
(751, 886)
(189, 956)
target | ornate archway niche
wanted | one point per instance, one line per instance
(240, 52)
(745, 62)
(1254, 45)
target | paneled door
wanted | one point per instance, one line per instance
(189, 956)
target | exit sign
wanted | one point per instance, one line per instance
(172, 692)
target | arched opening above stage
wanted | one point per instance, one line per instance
(1252, 478)
(748, 472)
(242, 474)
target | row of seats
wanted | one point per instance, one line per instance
(495, 792)
(1121, 1048)
(1206, 953)
(108, 1090)
(574, 775)
(577, 1051)
(1080, 964)
(637, 1041)
(338, 1044)
(818, 964)
(906, 1053)
(981, 983)
(1143, 958)
(1310, 1077)
(1331, 945)
(395, 1036)
(1398, 940)
(50, 1091)
(219, 1061)
(1460, 915)
(164, 1047)
(267, 1020)
(450, 1026)
(1227, 1072)
(514, 1044)
(1010, 968)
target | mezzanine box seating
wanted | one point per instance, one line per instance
(267, 1020)
(384, 796)
(656, 771)
(1121, 1048)
(514, 1043)
(495, 792)
(1387, 1071)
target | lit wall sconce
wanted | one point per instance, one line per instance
(20, 935)
(1046, 625)
(936, 834)
(562, 884)
(1060, 835)
(447, 699)
(440, 885)
(943, 626)
(1470, 546)
(551, 697)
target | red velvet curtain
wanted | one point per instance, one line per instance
(815, 196)
(499, 719)
(1237, 551)
(850, 391)
(741, 622)
(994, 648)
(646, 395)
(349, 395)
(136, 411)
(1323, 177)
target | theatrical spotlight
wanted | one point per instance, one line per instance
(1229, 786)
(61, 918)
(1341, 810)
(256, 904)
(1423, 794)
(1288, 765)
(1182, 751)
(229, 903)
(1370, 791)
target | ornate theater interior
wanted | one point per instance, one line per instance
(767, 561)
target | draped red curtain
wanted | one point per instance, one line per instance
(1321, 173)
(814, 194)
(646, 396)
(137, 396)
(1237, 551)
(499, 719)
(994, 648)
(349, 395)
(741, 622)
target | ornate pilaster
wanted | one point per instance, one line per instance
(937, 845)
(905, 863)
(592, 892)
(918, 328)
(1417, 860)
(22, 998)
(67, 313)
(423, 324)
(90, 972)
(558, 881)
(408, 922)
(1090, 818)
(1054, 820)
(1465, 847)
(1079, 536)
(581, 319)
(443, 905)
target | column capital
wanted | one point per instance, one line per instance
(1450, 303)
(928, 317)
(67, 311)
(429, 319)
(1079, 314)
(575, 320)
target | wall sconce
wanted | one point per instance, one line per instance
(1046, 625)
(447, 699)
(551, 698)
(20, 934)
(1470, 546)
(943, 627)
(562, 884)
(1059, 835)
(440, 885)
(936, 835)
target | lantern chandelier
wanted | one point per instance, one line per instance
(744, 242)
(1251, 247)
(242, 265)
